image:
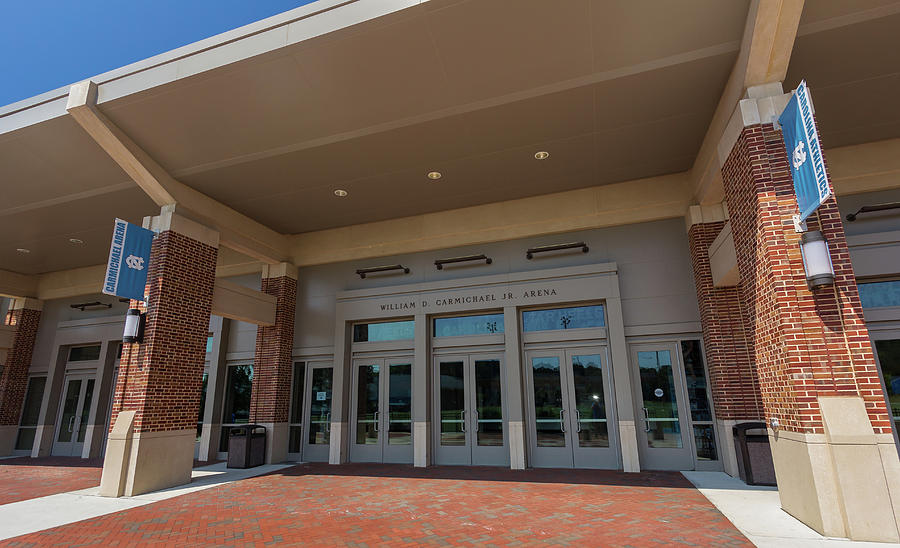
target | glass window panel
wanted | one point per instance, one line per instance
(590, 402)
(320, 406)
(548, 402)
(576, 317)
(889, 358)
(85, 409)
(660, 400)
(384, 331)
(452, 406)
(484, 324)
(203, 386)
(878, 294)
(294, 439)
(705, 441)
(488, 403)
(367, 388)
(400, 404)
(33, 396)
(70, 408)
(84, 353)
(25, 439)
(695, 378)
(297, 392)
(209, 344)
(237, 394)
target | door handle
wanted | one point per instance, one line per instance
(562, 420)
(376, 421)
(328, 422)
(577, 420)
(462, 419)
(646, 419)
(71, 423)
(475, 416)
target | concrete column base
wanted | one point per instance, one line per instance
(336, 452)
(8, 440)
(631, 461)
(839, 483)
(43, 440)
(138, 463)
(276, 441)
(421, 458)
(726, 447)
(517, 445)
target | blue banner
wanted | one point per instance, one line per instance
(804, 153)
(129, 257)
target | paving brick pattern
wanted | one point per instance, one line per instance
(394, 505)
(27, 478)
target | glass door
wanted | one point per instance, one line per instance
(661, 413)
(469, 416)
(317, 440)
(571, 411)
(381, 420)
(72, 424)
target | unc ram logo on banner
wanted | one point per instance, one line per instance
(129, 256)
(804, 153)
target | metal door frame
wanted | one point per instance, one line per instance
(608, 458)
(315, 452)
(402, 454)
(73, 447)
(547, 457)
(658, 458)
(365, 452)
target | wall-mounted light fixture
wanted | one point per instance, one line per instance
(816, 259)
(96, 305)
(362, 272)
(134, 326)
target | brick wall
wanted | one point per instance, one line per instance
(726, 336)
(161, 378)
(272, 369)
(14, 379)
(805, 344)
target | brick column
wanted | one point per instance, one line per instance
(833, 450)
(157, 399)
(728, 345)
(20, 326)
(270, 400)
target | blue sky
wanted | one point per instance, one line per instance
(45, 44)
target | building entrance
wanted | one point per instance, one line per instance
(469, 416)
(381, 410)
(71, 425)
(572, 408)
(317, 419)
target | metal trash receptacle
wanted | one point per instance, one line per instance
(754, 456)
(246, 446)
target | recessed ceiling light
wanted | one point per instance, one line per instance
(77, 241)
(340, 193)
(23, 250)
(434, 175)
(541, 155)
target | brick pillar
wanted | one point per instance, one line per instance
(20, 326)
(270, 400)
(157, 399)
(728, 345)
(833, 450)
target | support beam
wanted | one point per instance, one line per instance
(764, 56)
(237, 231)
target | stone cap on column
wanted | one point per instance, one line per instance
(761, 104)
(26, 303)
(701, 214)
(168, 219)
(280, 270)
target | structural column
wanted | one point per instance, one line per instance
(270, 400)
(157, 399)
(20, 327)
(830, 430)
(727, 341)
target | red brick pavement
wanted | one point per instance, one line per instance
(392, 505)
(26, 478)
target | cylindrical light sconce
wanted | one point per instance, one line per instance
(816, 259)
(134, 326)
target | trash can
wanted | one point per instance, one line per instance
(246, 446)
(754, 456)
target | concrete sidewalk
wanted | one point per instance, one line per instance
(756, 512)
(38, 514)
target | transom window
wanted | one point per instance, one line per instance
(574, 317)
(879, 294)
(384, 331)
(482, 324)
(84, 353)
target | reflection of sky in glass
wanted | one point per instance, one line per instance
(575, 317)
(385, 331)
(654, 359)
(485, 324)
(877, 294)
